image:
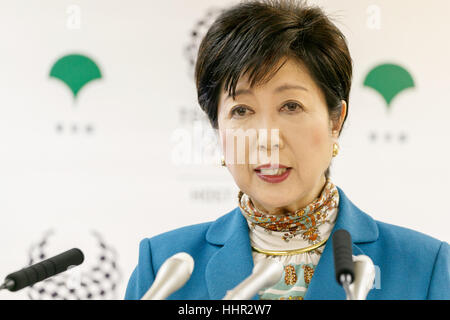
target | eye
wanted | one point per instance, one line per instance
(292, 107)
(239, 111)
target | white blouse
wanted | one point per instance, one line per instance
(299, 267)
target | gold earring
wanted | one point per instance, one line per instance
(335, 149)
(223, 162)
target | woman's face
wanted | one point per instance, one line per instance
(292, 103)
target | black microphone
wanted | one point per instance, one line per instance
(43, 270)
(343, 261)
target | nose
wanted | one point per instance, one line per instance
(262, 145)
(269, 135)
(270, 139)
(269, 151)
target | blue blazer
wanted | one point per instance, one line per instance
(409, 264)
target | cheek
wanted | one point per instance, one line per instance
(228, 151)
(241, 176)
(311, 138)
(222, 139)
(312, 146)
(321, 145)
(319, 138)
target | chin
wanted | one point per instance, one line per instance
(274, 201)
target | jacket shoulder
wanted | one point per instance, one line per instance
(180, 239)
(153, 251)
(407, 253)
(402, 237)
(194, 239)
(409, 263)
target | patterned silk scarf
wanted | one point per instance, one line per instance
(305, 228)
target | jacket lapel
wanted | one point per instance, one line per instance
(233, 261)
(362, 229)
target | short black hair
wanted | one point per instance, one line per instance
(252, 37)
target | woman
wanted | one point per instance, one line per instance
(281, 70)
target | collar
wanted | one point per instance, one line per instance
(360, 225)
(304, 228)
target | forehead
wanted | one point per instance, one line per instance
(290, 70)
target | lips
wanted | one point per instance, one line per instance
(271, 166)
(273, 173)
(273, 177)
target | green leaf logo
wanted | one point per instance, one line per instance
(75, 71)
(389, 80)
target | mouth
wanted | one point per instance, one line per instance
(272, 171)
(273, 174)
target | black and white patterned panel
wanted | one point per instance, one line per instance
(93, 280)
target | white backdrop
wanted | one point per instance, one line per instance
(102, 171)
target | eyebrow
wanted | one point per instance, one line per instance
(277, 90)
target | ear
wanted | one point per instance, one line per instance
(336, 126)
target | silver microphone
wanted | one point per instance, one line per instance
(265, 273)
(171, 276)
(364, 277)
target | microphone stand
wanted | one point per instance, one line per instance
(346, 281)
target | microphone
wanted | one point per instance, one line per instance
(364, 277)
(355, 273)
(343, 263)
(265, 273)
(171, 276)
(43, 270)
